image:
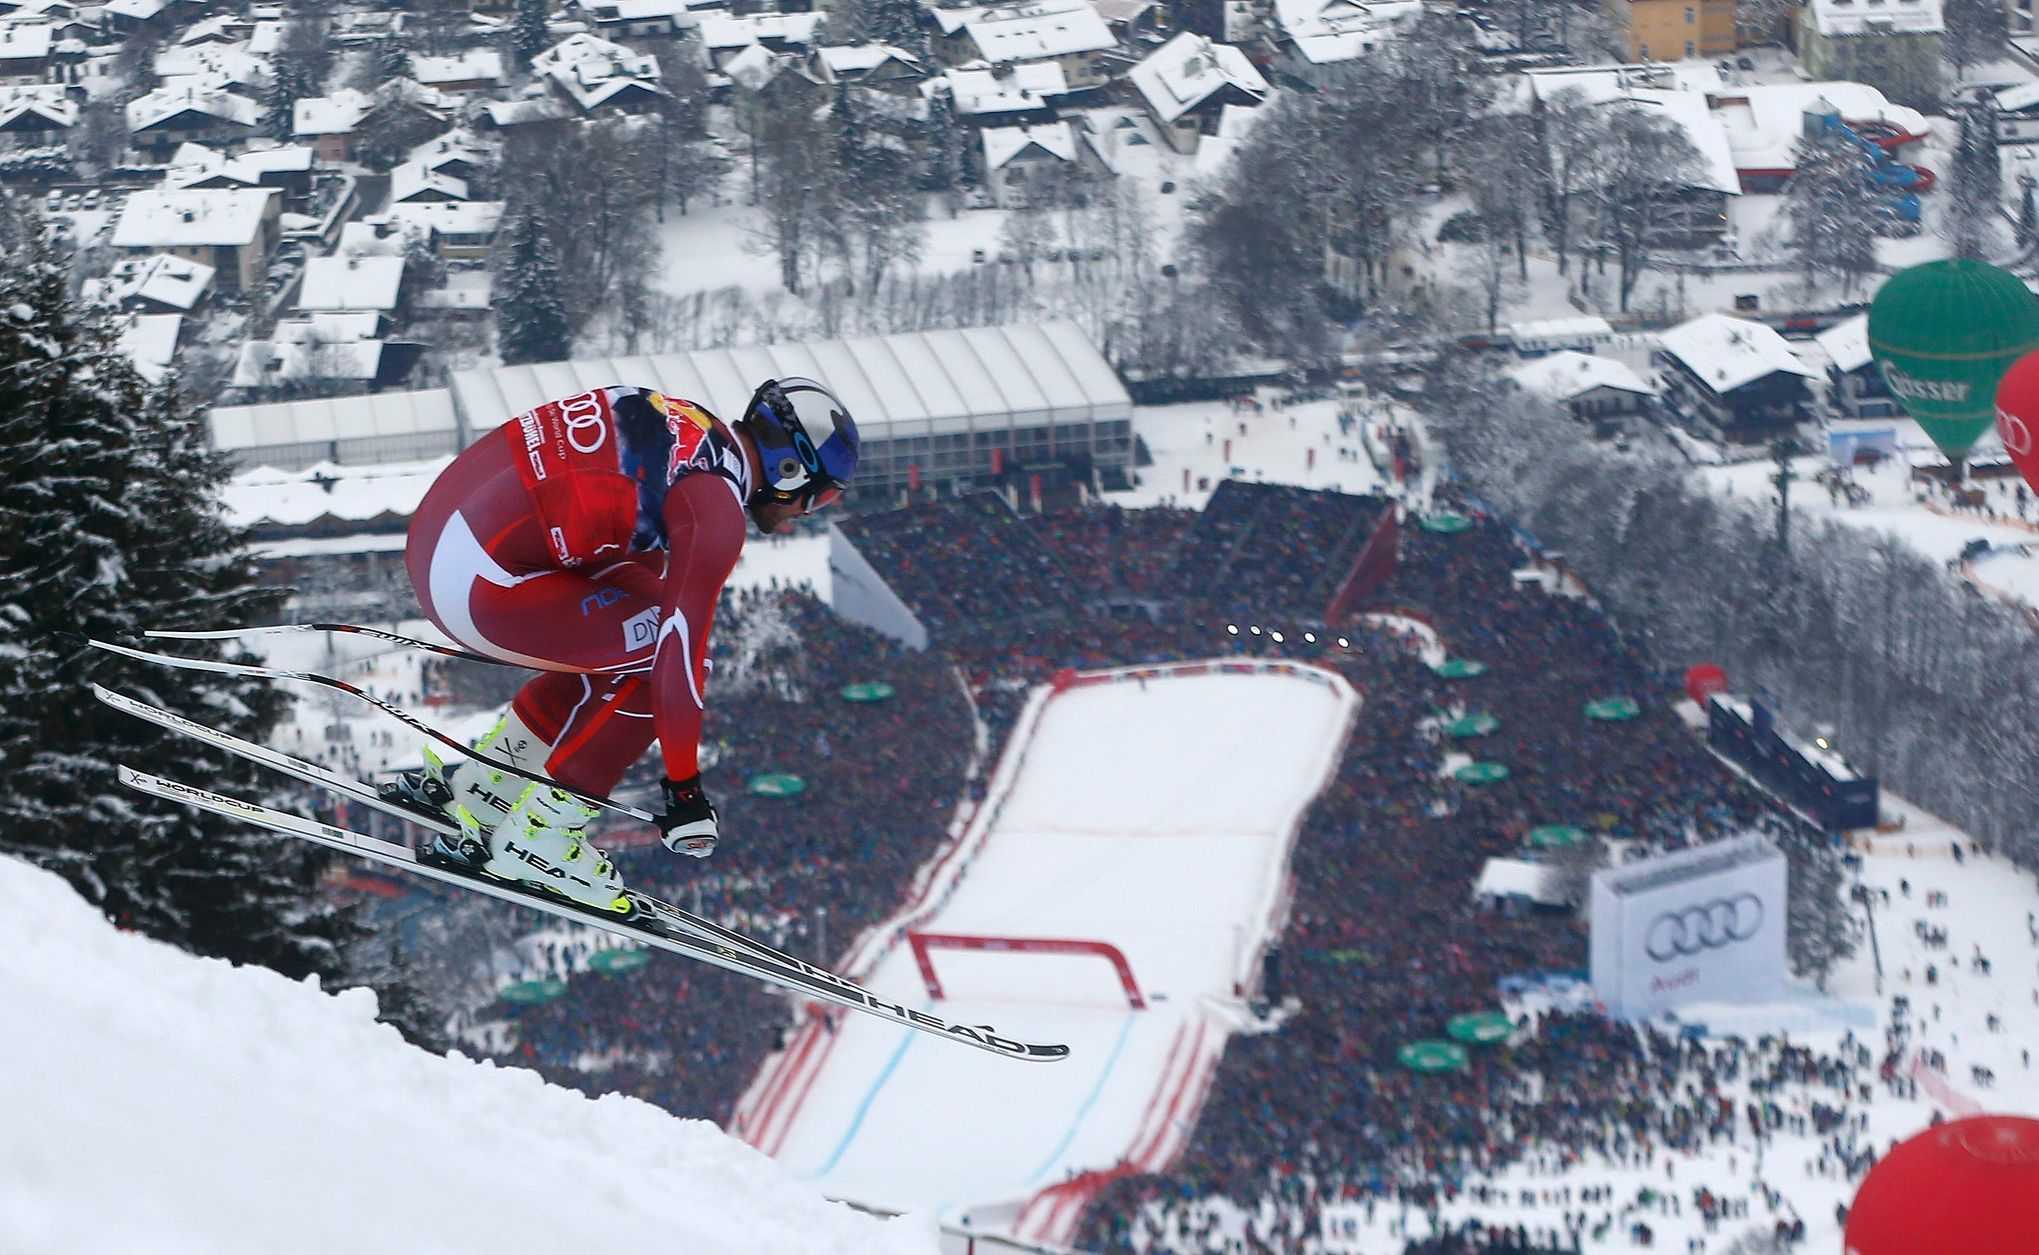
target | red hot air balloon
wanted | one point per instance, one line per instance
(1968, 1187)
(1703, 681)
(2018, 415)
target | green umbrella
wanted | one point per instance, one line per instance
(1613, 709)
(777, 784)
(1556, 836)
(1944, 333)
(533, 991)
(1433, 1056)
(1446, 524)
(619, 959)
(1460, 668)
(1471, 725)
(868, 691)
(1481, 773)
(1480, 1026)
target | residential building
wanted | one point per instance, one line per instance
(1600, 392)
(1892, 45)
(1187, 82)
(352, 284)
(413, 181)
(330, 123)
(163, 119)
(593, 74)
(1733, 381)
(233, 231)
(25, 52)
(725, 35)
(1673, 30)
(1318, 42)
(1855, 387)
(642, 19)
(37, 116)
(475, 70)
(868, 65)
(458, 230)
(1005, 94)
(160, 283)
(1026, 165)
(1069, 32)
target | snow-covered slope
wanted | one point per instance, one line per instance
(156, 1102)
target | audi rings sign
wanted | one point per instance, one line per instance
(1701, 925)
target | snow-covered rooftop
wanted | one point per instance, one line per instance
(1568, 374)
(723, 31)
(336, 114)
(1189, 70)
(45, 100)
(1730, 352)
(25, 41)
(1004, 144)
(351, 283)
(150, 342)
(210, 65)
(1848, 18)
(1025, 32)
(227, 217)
(411, 180)
(166, 103)
(485, 64)
(1764, 122)
(162, 278)
(1018, 88)
(862, 58)
(1328, 31)
(449, 217)
(1847, 343)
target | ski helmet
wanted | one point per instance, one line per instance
(807, 442)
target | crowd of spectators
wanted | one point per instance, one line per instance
(1325, 1100)
(970, 569)
(1272, 547)
(962, 562)
(1114, 554)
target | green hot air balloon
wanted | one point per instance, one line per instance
(1944, 334)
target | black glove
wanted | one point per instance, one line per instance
(689, 823)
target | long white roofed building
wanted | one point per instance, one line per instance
(944, 408)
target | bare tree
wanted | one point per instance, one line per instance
(1646, 171)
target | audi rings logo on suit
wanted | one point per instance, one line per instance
(1712, 925)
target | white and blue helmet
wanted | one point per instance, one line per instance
(807, 442)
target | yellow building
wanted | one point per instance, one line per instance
(1671, 30)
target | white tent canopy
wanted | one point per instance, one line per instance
(983, 376)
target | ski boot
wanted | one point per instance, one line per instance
(543, 843)
(471, 795)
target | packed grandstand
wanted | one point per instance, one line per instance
(1320, 1111)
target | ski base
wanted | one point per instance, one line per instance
(649, 922)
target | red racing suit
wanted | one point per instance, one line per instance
(590, 538)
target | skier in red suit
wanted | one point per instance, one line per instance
(590, 539)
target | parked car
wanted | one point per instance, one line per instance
(74, 201)
(54, 201)
(1744, 63)
(91, 200)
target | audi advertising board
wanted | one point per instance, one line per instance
(1700, 925)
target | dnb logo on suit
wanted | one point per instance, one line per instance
(1711, 925)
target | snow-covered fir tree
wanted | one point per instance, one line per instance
(528, 34)
(531, 316)
(1831, 209)
(110, 524)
